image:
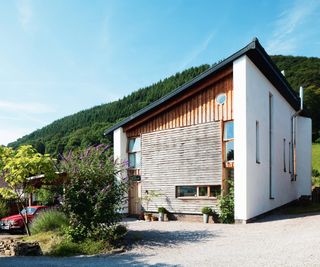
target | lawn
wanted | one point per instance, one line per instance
(316, 156)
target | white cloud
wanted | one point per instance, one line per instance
(27, 107)
(25, 13)
(197, 51)
(289, 27)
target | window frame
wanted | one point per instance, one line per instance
(135, 152)
(227, 140)
(197, 191)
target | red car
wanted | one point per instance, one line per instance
(15, 222)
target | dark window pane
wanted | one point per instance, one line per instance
(186, 191)
(228, 130)
(203, 191)
(230, 151)
(215, 190)
(132, 160)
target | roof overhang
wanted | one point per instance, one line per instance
(257, 55)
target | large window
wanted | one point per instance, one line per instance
(134, 153)
(198, 191)
(228, 137)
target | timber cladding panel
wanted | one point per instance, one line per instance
(198, 106)
(181, 156)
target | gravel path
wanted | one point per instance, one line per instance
(275, 241)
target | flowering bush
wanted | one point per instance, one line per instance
(94, 193)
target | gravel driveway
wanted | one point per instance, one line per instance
(278, 240)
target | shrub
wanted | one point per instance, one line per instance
(65, 248)
(70, 248)
(162, 210)
(206, 210)
(112, 234)
(4, 210)
(93, 195)
(50, 220)
(226, 205)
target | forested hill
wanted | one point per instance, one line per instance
(86, 127)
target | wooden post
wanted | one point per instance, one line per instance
(30, 199)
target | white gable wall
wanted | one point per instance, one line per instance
(251, 104)
(120, 154)
(304, 155)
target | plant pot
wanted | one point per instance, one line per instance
(161, 217)
(205, 218)
(147, 217)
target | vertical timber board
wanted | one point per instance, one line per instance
(198, 108)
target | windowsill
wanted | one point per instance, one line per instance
(197, 198)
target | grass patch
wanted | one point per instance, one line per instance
(51, 220)
(46, 240)
(301, 209)
(316, 156)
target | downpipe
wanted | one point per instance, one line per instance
(293, 136)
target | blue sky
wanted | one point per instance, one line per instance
(58, 57)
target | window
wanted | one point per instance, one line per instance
(186, 191)
(284, 156)
(201, 191)
(134, 153)
(270, 145)
(257, 142)
(221, 98)
(290, 157)
(228, 141)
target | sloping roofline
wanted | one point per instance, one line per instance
(260, 58)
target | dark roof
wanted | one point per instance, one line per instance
(260, 58)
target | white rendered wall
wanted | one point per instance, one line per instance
(240, 141)
(304, 155)
(120, 153)
(251, 104)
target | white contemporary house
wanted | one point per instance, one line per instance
(238, 120)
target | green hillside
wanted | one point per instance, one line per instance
(86, 127)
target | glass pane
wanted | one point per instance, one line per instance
(230, 151)
(132, 160)
(203, 191)
(215, 190)
(138, 159)
(228, 130)
(186, 191)
(135, 144)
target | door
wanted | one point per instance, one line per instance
(134, 198)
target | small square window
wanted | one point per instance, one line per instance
(203, 191)
(215, 190)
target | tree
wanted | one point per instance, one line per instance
(17, 166)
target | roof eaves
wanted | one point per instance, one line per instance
(219, 66)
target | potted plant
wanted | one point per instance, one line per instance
(147, 198)
(147, 216)
(206, 211)
(162, 211)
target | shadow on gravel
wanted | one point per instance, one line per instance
(280, 215)
(94, 261)
(155, 238)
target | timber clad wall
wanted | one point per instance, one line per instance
(182, 156)
(198, 107)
